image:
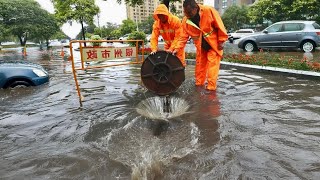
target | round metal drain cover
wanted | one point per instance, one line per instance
(162, 73)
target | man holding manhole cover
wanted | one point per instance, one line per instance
(204, 25)
(169, 27)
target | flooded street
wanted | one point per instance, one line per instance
(256, 126)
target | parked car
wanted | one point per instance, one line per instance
(21, 74)
(285, 34)
(160, 38)
(124, 37)
(239, 34)
(55, 43)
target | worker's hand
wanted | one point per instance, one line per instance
(153, 52)
(174, 52)
(169, 51)
(220, 45)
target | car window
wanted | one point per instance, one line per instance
(274, 28)
(293, 26)
(316, 26)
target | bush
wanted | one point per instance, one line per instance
(274, 60)
(95, 37)
(137, 36)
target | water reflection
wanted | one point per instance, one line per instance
(256, 126)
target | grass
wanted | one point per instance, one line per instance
(266, 59)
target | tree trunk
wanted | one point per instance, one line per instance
(47, 43)
(166, 2)
(23, 39)
(83, 34)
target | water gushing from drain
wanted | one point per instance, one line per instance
(162, 107)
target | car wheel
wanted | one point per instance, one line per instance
(19, 84)
(307, 46)
(249, 46)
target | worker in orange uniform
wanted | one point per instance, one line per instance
(169, 27)
(204, 25)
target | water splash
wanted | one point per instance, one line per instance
(154, 107)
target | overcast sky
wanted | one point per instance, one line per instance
(110, 11)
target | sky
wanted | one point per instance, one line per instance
(110, 11)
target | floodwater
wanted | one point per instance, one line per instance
(256, 126)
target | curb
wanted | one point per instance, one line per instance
(265, 69)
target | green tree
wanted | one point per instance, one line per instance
(137, 35)
(280, 10)
(81, 11)
(25, 19)
(46, 27)
(105, 31)
(146, 26)
(235, 17)
(127, 26)
(116, 33)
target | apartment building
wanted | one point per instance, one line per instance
(222, 5)
(141, 13)
(179, 7)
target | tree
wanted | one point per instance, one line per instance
(105, 31)
(25, 19)
(146, 26)
(46, 27)
(81, 11)
(235, 17)
(280, 10)
(127, 26)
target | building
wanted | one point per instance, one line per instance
(141, 13)
(179, 7)
(222, 5)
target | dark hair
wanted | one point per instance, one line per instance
(190, 3)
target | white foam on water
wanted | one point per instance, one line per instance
(154, 107)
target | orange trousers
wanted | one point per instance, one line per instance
(207, 66)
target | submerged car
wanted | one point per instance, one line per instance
(285, 34)
(21, 74)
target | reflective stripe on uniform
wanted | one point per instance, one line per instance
(209, 33)
(194, 25)
(166, 30)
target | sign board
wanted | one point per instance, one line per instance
(105, 53)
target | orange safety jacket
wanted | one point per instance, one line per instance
(211, 28)
(170, 32)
